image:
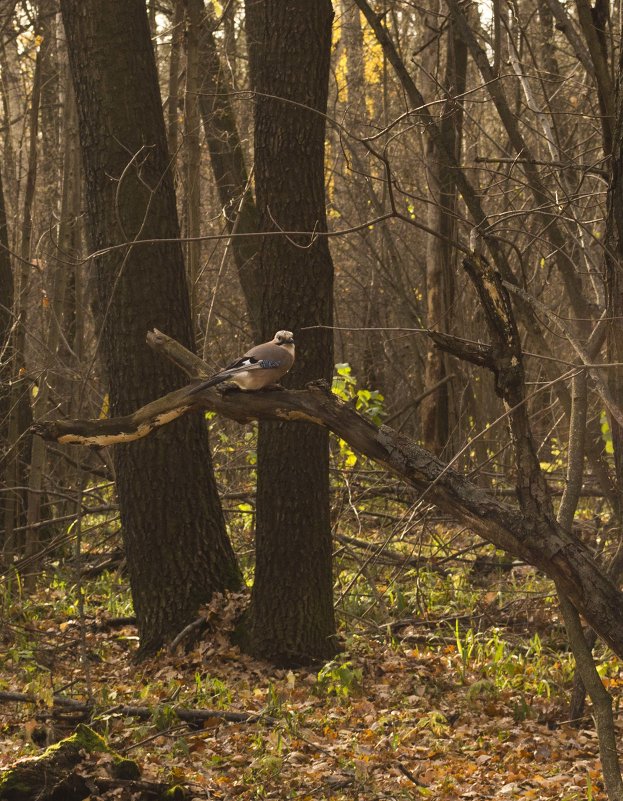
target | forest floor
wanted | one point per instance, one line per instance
(469, 703)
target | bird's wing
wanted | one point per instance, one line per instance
(250, 363)
(271, 352)
(245, 364)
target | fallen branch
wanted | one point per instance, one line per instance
(144, 712)
(406, 772)
(194, 626)
(560, 555)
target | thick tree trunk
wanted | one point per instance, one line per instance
(177, 549)
(291, 616)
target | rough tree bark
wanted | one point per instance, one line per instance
(291, 616)
(177, 549)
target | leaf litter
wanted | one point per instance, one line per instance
(392, 717)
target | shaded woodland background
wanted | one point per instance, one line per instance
(330, 169)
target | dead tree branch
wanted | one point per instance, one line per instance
(534, 538)
(193, 716)
(532, 490)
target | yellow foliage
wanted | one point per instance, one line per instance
(105, 408)
(341, 77)
(373, 64)
(329, 177)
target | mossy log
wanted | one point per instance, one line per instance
(52, 775)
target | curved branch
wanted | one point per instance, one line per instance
(563, 558)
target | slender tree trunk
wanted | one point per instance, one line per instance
(14, 131)
(51, 152)
(37, 452)
(7, 501)
(614, 281)
(440, 253)
(177, 549)
(177, 31)
(228, 165)
(291, 617)
(192, 148)
(20, 413)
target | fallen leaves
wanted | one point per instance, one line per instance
(385, 721)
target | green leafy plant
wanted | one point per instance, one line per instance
(212, 691)
(367, 401)
(163, 717)
(339, 678)
(434, 720)
(465, 645)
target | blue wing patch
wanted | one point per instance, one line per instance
(266, 364)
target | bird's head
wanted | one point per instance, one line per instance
(284, 338)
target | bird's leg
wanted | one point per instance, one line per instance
(272, 387)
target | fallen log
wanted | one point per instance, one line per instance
(557, 552)
(54, 775)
